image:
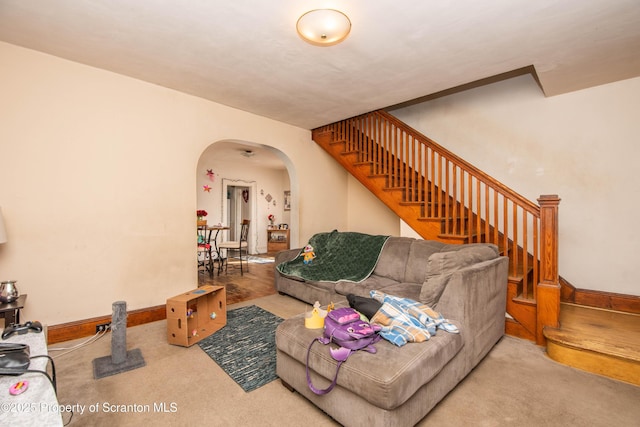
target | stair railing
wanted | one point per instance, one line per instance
(475, 205)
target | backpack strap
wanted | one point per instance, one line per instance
(333, 383)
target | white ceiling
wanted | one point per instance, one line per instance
(246, 54)
(247, 155)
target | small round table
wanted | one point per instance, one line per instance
(10, 311)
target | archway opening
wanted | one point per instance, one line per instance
(238, 180)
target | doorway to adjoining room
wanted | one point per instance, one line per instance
(239, 203)
(238, 208)
(240, 180)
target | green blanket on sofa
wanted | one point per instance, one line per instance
(345, 256)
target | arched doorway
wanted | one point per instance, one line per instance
(238, 180)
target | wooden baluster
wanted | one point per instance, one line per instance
(454, 196)
(536, 254)
(378, 146)
(369, 138)
(505, 229)
(514, 239)
(525, 260)
(360, 130)
(410, 166)
(478, 211)
(487, 215)
(434, 195)
(471, 209)
(460, 203)
(396, 155)
(442, 192)
(422, 173)
(403, 179)
(446, 196)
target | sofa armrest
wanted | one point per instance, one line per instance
(282, 256)
(286, 255)
(475, 298)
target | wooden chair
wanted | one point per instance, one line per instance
(240, 246)
(205, 259)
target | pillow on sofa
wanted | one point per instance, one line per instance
(393, 258)
(442, 265)
(420, 251)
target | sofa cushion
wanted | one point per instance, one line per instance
(382, 284)
(393, 258)
(387, 378)
(362, 289)
(442, 265)
(419, 253)
(402, 290)
(310, 292)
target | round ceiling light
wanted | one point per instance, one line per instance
(323, 27)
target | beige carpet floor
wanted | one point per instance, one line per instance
(515, 385)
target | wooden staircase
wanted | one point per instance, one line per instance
(442, 197)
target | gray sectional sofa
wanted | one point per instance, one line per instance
(398, 386)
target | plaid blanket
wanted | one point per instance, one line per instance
(404, 320)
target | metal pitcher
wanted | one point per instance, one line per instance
(9, 291)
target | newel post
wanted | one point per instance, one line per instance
(548, 289)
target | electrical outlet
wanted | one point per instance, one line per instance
(103, 327)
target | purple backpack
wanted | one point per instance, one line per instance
(344, 327)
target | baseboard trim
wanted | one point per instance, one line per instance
(87, 327)
(599, 299)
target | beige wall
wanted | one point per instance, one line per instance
(241, 171)
(98, 178)
(367, 214)
(98, 184)
(582, 146)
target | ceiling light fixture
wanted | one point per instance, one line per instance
(323, 27)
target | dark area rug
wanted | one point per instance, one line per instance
(246, 348)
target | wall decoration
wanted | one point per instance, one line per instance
(268, 198)
(206, 188)
(210, 174)
(245, 195)
(287, 200)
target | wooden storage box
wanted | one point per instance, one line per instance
(195, 315)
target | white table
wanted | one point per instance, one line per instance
(38, 406)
